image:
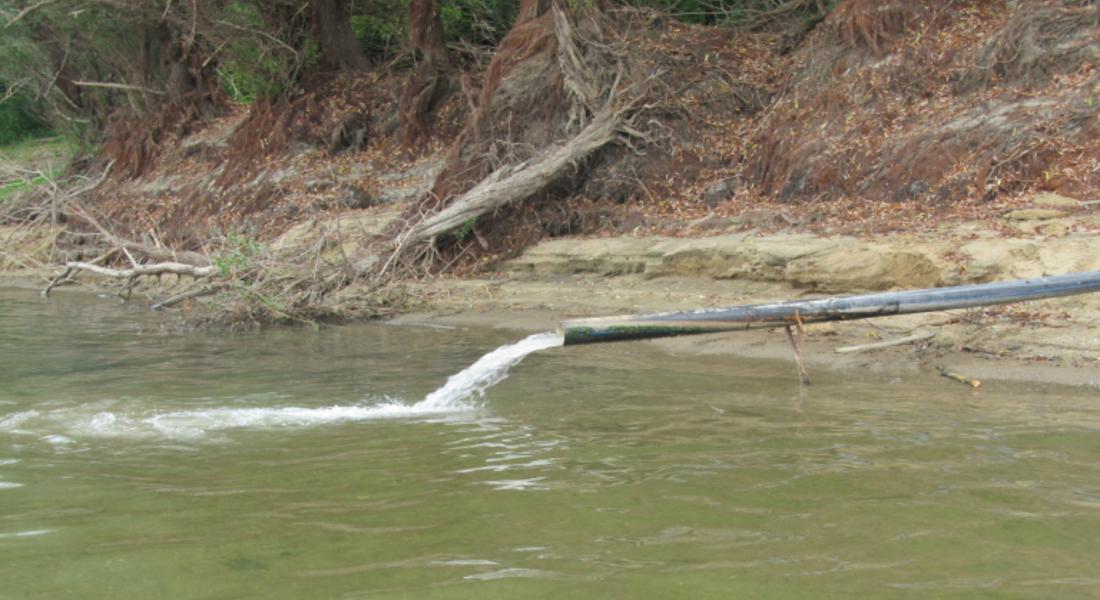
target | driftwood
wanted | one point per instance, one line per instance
(131, 275)
(172, 268)
(963, 379)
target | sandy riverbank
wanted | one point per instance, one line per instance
(1053, 341)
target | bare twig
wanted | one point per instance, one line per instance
(803, 377)
(190, 294)
(919, 337)
(26, 11)
(119, 86)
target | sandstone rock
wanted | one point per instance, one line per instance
(1034, 214)
(352, 228)
(710, 223)
(1052, 200)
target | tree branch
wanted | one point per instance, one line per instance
(118, 86)
(27, 11)
(139, 270)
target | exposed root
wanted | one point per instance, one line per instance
(136, 141)
(872, 24)
(1036, 44)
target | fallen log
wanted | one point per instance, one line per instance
(518, 182)
(780, 314)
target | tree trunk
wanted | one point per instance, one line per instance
(173, 64)
(525, 65)
(429, 84)
(426, 31)
(340, 49)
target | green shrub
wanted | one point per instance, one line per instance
(252, 66)
(482, 22)
(382, 36)
(17, 119)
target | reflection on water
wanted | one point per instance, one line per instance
(136, 462)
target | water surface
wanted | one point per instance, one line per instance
(139, 462)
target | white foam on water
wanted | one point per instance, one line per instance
(466, 562)
(107, 420)
(61, 426)
(23, 534)
(9, 485)
(13, 421)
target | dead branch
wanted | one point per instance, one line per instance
(974, 383)
(175, 268)
(66, 276)
(26, 11)
(119, 86)
(514, 183)
(919, 337)
(154, 252)
(266, 35)
(190, 294)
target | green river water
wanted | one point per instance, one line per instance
(139, 462)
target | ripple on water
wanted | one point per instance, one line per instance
(513, 573)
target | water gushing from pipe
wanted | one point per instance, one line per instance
(488, 371)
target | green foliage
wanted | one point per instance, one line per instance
(381, 27)
(46, 155)
(466, 229)
(729, 12)
(482, 22)
(247, 73)
(249, 68)
(17, 119)
(238, 255)
(18, 186)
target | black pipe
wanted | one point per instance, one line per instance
(751, 316)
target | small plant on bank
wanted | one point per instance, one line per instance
(238, 256)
